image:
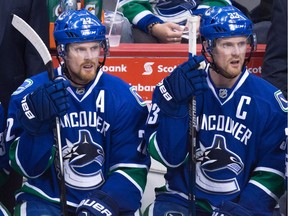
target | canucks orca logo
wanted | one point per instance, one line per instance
(83, 162)
(218, 161)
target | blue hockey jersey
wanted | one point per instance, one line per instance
(240, 148)
(102, 144)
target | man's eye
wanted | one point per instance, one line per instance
(241, 44)
(95, 48)
(228, 45)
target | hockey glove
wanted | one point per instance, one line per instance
(231, 209)
(98, 203)
(176, 90)
(40, 107)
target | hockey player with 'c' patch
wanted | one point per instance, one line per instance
(102, 121)
(240, 119)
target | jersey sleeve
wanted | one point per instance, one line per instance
(267, 181)
(129, 162)
(166, 135)
(30, 155)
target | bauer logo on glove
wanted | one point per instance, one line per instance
(26, 108)
(174, 92)
(98, 203)
(163, 91)
(89, 203)
(40, 107)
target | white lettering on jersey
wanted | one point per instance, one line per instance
(239, 113)
(85, 119)
(228, 125)
(100, 101)
(9, 136)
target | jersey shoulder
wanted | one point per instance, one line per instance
(265, 92)
(120, 89)
(29, 84)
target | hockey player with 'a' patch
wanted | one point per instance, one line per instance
(101, 120)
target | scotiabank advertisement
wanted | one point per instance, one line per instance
(142, 73)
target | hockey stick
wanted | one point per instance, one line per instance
(41, 48)
(192, 24)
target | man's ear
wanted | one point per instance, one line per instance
(206, 48)
(61, 50)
